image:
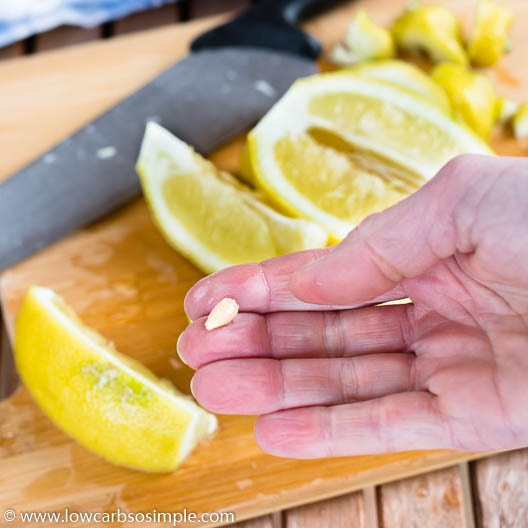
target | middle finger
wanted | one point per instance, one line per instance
(283, 335)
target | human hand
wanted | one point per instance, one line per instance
(449, 370)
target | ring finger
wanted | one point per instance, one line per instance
(261, 386)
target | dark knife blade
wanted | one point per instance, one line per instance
(206, 99)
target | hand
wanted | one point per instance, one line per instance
(449, 370)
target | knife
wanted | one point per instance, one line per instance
(232, 77)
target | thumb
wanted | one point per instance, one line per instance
(401, 242)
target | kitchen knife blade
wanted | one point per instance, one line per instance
(220, 90)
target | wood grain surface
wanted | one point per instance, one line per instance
(348, 510)
(433, 501)
(501, 490)
(127, 283)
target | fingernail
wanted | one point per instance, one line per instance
(178, 349)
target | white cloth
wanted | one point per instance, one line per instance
(22, 18)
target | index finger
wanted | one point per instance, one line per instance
(261, 287)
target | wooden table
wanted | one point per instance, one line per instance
(487, 493)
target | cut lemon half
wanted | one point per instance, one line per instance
(106, 401)
(207, 215)
(337, 148)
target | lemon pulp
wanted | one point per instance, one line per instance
(339, 147)
(108, 402)
(207, 215)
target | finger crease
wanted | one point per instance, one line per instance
(349, 379)
(333, 338)
(282, 385)
(414, 383)
(407, 325)
(384, 266)
(266, 284)
(270, 343)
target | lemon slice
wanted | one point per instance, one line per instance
(207, 215)
(489, 39)
(406, 76)
(108, 402)
(473, 96)
(337, 148)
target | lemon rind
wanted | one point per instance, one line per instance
(294, 104)
(200, 424)
(159, 141)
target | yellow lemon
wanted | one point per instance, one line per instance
(473, 96)
(207, 215)
(433, 29)
(106, 401)
(337, 148)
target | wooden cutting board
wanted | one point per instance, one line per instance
(123, 279)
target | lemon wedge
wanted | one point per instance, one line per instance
(364, 40)
(337, 148)
(431, 28)
(106, 401)
(207, 215)
(491, 33)
(406, 76)
(473, 96)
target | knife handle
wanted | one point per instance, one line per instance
(293, 11)
(269, 24)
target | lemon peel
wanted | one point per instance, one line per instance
(108, 402)
(207, 215)
(338, 147)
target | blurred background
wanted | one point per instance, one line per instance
(32, 26)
